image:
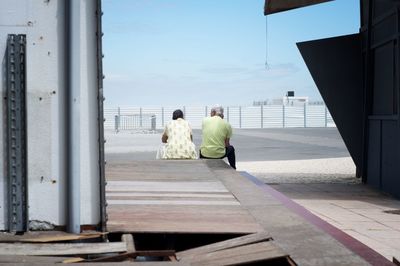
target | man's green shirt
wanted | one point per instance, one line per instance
(215, 131)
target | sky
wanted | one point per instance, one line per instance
(195, 53)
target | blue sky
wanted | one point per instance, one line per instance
(190, 52)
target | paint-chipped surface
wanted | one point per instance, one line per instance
(43, 23)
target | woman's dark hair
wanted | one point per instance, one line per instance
(177, 114)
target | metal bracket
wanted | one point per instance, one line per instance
(16, 133)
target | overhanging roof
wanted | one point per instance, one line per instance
(275, 6)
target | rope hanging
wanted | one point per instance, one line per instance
(266, 43)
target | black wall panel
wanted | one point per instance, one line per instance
(383, 89)
(336, 67)
(390, 157)
(381, 37)
(374, 154)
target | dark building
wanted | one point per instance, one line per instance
(358, 77)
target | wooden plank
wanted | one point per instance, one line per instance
(230, 243)
(61, 238)
(166, 170)
(174, 202)
(6, 259)
(252, 253)
(131, 174)
(47, 236)
(145, 253)
(73, 260)
(56, 249)
(180, 219)
(128, 240)
(223, 195)
(162, 186)
(196, 202)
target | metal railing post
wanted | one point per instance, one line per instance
(305, 115)
(283, 116)
(162, 116)
(118, 120)
(153, 122)
(184, 111)
(326, 116)
(262, 116)
(116, 126)
(205, 111)
(140, 117)
(227, 113)
(240, 116)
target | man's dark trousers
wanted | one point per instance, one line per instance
(229, 152)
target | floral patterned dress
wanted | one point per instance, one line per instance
(179, 144)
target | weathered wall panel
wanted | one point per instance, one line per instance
(44, 24)
(45, 109)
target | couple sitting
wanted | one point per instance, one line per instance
(179, 144)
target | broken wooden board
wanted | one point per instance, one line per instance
(230, 243)
(73, 260)
(47, 236)
(130, 243)
(127, 255)
(58, 249)
(258, 252)
(62, 238)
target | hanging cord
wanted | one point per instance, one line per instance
(266, 43)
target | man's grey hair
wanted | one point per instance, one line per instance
(219, 110)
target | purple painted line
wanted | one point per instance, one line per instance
(365, 252)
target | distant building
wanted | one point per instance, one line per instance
(289, 101)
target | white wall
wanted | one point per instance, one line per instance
(43, 22)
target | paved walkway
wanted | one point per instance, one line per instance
(328, 189)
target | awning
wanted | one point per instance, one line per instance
(275, 6)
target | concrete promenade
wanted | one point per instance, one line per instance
(311, 166)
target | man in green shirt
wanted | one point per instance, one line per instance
(216, 135)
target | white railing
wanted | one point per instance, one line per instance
(265, 116)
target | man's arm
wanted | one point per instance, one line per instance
(228, 135)
(227, 142)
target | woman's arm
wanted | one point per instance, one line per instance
(164, 138)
